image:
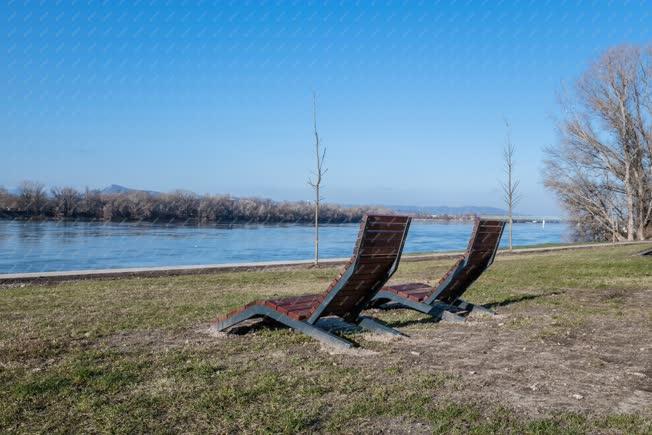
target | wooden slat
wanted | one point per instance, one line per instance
(361, 284)
(290, 303)
(407, 287)
(371, 275)
(387, 250)
(489, 247)
(391, 226)
(368, 260)
(369, 269)
(295, 314)
(394, 242)
(486, 223)
(387, 218)
(287, 300)
(485, 233)
(382, 232)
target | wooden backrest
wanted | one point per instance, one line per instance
(375, 258)
(479, 255)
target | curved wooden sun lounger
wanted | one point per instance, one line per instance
(375, 258)
(444, 300)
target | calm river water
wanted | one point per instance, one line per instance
(57, 246)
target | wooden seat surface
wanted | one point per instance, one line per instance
(417, 292)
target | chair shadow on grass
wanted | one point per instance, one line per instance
(423, 321)
(333, 325)
(521, 298)
(502, 303)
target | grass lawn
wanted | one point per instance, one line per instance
(570, 351)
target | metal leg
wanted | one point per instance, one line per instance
(377, 326)
(405, 302)
(234, 320)
(471, 308)
(442, 312)
(306, 328)
(447, 316)
(321, 335)
(336, 324)
(438, 310)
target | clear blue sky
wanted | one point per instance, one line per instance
(216, 97)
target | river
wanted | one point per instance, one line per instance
(30, 246)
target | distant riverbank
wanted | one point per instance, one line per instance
(33, 201)
(197, 222)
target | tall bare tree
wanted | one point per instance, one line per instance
(318, 175)
(511, 193)
(601, 170)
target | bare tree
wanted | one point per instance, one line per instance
(510, 186)
(32, 198)
(186, 205)
(602, 168)
(91, 205)
(319, 173)
(66, 200)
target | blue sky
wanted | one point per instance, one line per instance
(216, 97)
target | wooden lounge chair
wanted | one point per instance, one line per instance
(443, 300)
(375, 258)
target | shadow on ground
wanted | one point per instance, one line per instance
(522, 298)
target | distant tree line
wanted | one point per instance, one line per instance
(444, 217)
(33, 200)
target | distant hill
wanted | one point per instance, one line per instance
(116, 188)
(446, 210)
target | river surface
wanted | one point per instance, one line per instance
(58, 246)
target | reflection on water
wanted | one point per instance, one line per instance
(53, 246)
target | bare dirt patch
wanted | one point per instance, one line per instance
(597, 362)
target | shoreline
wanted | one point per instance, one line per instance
(194, 222)
(72, 275)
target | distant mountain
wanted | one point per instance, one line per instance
(446, 210)
(116, 188)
